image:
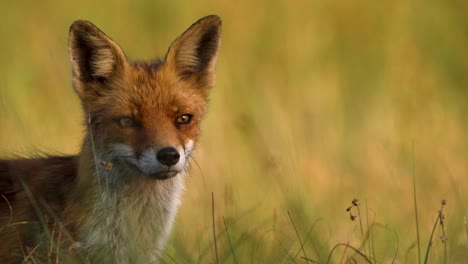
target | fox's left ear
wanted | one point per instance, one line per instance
(193, 54)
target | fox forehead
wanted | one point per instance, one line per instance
(148, 89)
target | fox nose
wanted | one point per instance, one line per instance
(168, 156)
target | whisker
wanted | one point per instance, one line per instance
(201, 171)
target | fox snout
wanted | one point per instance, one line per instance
(163, 163)
(158, 163)
(168, 156)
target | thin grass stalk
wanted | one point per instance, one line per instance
(351, 247)
(36, 207)
(466, 229)
(344, 253)
(62, 227)
(442, 226)
(229, 241)
(360, 224)
(416, 210)
(368, 230)
(310, 260)
(429, 244)
(394, 260)
(307, 237)
(298, 236)
(214, 226)
(94, 151)
(10, 219)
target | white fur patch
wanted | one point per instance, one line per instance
(187, 56)
(189, 148)
(131, 221)
(122, 151)
(103, 62)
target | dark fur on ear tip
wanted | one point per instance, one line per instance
(214, 19)
(207, 46)
(84, 28)
(82, 25)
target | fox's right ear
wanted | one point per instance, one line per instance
(94, 57)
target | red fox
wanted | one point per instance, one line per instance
(114, 202)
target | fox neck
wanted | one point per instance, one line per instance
(128, 216)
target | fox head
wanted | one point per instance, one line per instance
(144, 116)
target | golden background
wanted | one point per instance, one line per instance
(316, 103)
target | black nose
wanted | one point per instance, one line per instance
(168, 156)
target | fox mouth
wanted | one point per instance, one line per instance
(163, 175)
(160, 175)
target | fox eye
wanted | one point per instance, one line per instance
(184, 119)
(125, 121)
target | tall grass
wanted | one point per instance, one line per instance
(316, 102)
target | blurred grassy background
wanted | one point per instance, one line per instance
(316, 103)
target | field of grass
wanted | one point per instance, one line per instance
(316, 103)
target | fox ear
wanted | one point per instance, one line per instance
(93, 55)
(193, 54)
